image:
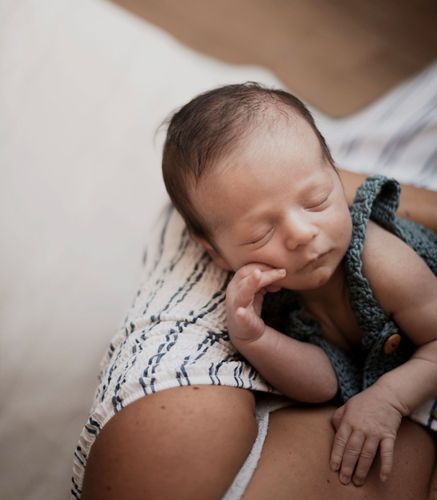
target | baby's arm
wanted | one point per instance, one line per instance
(299, 370)
(407, 289)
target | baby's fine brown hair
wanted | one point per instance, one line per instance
(209, 127)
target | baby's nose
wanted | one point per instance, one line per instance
(299, 231)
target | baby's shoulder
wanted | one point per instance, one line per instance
(391, 266)
(381, 245)
(381, 249)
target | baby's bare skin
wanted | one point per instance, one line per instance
(284, 222)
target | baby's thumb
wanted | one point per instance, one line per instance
(337, 417)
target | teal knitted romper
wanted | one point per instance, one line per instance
(377, 199)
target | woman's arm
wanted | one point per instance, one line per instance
(418, 204)
(184, 443)
(190, 442)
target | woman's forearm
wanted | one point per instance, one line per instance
(417, 204)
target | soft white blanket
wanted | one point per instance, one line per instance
(83, 88)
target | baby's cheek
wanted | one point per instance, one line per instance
(342, 227)
(348, 228)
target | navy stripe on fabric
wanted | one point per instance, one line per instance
(162, 236)
(122, 377)
(202, 349)
(206, 309)
(157, 286)
(215, 368)
(433, 412)
(80, 457)
(156, 320)
(238, 370)
(75, 491)
(211, 304)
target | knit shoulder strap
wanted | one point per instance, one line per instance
(377, 198)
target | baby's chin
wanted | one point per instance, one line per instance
(310, 280)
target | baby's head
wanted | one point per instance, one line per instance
(231, 139)
(214, 124)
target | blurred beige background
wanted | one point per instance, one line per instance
(339, 55)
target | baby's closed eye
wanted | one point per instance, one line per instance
(262, 238)
(317, 202)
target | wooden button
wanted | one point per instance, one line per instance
(392, 343)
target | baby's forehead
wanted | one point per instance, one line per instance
(269, 139)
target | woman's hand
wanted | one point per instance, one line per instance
(367, 421)
(244, 299)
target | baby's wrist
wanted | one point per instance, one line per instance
(240, 337)
(395, 397)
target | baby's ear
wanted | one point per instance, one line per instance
(213, 253)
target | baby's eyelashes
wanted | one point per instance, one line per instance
(317, 204)
(261, 239)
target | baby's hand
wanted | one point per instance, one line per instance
(244, 298)
(368, 420)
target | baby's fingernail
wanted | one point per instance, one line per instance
(334, 466)
(344, 479)
(384, 478)
(358, 482)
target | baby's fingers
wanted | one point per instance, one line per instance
(256, 281)
(365, 461)
(352, 453)
(250, 321)
(386, 454)
(340, 441)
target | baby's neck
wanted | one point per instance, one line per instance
(330, 306)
